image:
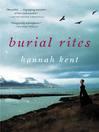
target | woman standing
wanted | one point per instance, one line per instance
(84, 97)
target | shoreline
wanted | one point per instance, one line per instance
(20, 96)
(66, 115)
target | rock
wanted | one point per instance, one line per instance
(91, 111)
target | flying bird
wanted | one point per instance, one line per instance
(78, 22)
(63, 18)
(94, 12)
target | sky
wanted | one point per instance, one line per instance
(87, 67)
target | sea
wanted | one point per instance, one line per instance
(13, 107)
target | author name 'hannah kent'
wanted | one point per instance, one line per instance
(50, 59)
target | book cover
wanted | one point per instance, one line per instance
(49, 66)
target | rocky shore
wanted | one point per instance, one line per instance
(66, 116)
(20, 96)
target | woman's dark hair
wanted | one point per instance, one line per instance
(82, 80)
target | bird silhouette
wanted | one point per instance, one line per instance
(94, 12)
(63, 18)
(78, 22)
